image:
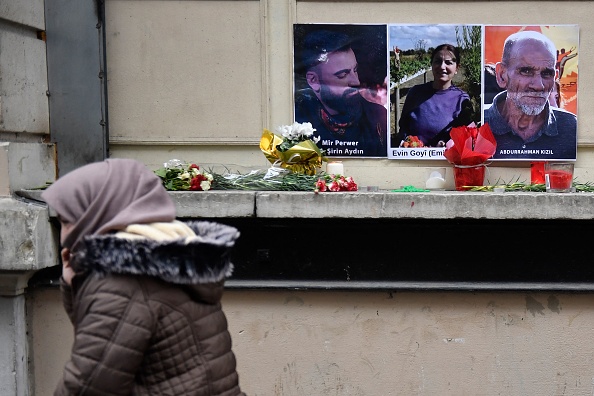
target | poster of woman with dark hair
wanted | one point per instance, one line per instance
(435, 86)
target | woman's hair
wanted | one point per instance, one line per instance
(447, 47)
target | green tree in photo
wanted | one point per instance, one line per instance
(469, 42)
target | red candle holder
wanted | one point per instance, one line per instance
(537, 172)
(559, 176)
(468, 176)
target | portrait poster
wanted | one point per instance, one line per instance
(535, 89)
(435, 84)
(340, 87)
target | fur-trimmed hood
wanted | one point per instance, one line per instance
(199, 260)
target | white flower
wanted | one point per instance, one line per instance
(205, 185)
(173, 163)
(285, 131)
(185, 175)
(297, 132)
(304, 130)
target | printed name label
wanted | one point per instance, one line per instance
(417, 153)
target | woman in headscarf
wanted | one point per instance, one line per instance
(142, 289)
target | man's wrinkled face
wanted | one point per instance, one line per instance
(529, 76)
(338, 81)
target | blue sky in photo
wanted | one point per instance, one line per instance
(406, 36)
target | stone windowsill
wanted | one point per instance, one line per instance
(378, 205)
(274, 207)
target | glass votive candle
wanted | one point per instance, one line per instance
(537, 172)
(558, 176)
(335, 168)
(435, 179)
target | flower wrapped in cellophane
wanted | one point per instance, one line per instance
(468, 150)
(295, 149)
(177, 175)
(470, 145)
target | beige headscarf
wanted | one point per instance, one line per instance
(108, 196)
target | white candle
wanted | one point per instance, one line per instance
(435, 181)
(335, 168)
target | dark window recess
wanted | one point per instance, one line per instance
(406, 254)
(412, 250)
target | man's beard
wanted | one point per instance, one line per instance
(528, 109)
(347, 103)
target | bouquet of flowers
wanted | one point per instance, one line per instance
(470, 145)
(335, 183)
(468, 150)
(179, 176)
(272, 179)
(295, 149)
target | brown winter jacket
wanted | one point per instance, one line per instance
(148, 317)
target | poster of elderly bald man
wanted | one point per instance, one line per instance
(530, 91)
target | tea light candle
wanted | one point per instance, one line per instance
(335, 168)
(435, 182)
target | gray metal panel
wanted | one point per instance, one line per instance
(77, 82)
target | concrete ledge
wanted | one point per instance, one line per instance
(195, 204)
(378, 205)
(214, 203)
(26, 236)
(431, 205)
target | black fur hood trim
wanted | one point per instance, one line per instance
(203, 260)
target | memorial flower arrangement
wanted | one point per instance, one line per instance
(295, 134)
(517, 185)
(468, 150)
(280, 179)
(470, 145)
(179, 176)
(334, 183)
(294, 147)
(272, 179)
(295, 159)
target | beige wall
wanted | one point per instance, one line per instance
(188, 76)
(299, 343)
